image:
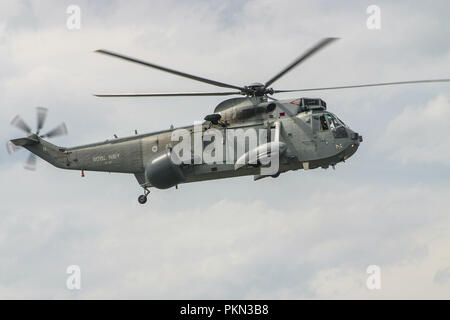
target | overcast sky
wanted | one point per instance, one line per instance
(303, 235)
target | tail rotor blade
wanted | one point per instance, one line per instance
(18, 122)
(31, 162)
(58, 131)
(11, 147)
(41, 116)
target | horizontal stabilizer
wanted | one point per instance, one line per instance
(21, 142)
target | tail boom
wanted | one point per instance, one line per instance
(125, 157)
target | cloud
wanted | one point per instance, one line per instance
(319, 248)
(303, 235)
(420, 134)
(442, 275)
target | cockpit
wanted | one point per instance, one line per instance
(324, 121)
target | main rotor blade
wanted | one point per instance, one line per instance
(178, 73)
(366, 85)
(41, 116)
(175, 94)
(31, 162)
(301, 58)
(20, 123)
(58, 131)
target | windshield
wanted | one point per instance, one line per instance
(326, 121)
(334, 121)
(337, 127)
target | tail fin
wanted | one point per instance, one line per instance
(55, 155)
(24, 142)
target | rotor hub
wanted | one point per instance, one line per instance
(257, 89)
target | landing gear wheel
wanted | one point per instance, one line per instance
(142, 199)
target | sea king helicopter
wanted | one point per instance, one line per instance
(306, 135)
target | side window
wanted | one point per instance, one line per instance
(323, 123)
(315, 123)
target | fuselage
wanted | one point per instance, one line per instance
(313, 138)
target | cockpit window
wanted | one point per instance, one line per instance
(333, 122)
(337, 126)
(323, 123)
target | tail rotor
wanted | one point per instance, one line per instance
(41, 116)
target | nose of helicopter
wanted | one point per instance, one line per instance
(355, 141)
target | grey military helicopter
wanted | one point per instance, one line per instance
(307, 135)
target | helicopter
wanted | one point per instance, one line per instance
(300, 133)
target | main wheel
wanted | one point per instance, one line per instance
(142, 199)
